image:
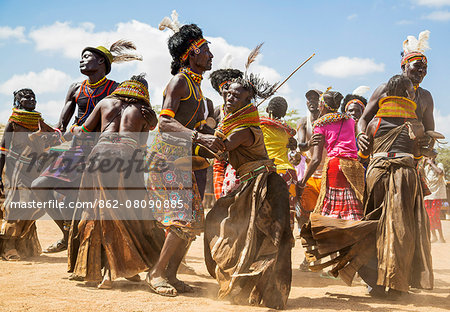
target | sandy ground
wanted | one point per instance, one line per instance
(41, 284)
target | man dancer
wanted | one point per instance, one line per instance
(127, 239)
(182, 114)
(95, 63)
(414, 66)
(306, 139)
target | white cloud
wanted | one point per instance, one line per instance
(440, 16)
(47, 81)
(67, 40)
(343, 67)
(351, 17)
(442, 123)
(17, 33)
(50, 110)
(433, 3)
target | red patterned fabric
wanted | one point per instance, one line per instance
(218, 176)
(340, 200)
(433, 207)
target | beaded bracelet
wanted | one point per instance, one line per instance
(194, 135)
(84, 129)
(72, 127)
(362, 155)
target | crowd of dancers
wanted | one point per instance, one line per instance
(349, 174)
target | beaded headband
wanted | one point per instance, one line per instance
(222, 84)
(413, 56)
(322, 101)
(194, 46)
(134, 89)
(354, 101)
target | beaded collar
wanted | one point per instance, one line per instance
(196, 77)
(329, 118)
(97, 84)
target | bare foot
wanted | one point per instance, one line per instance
(181, 286)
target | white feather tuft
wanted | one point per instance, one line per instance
(422, 45)
(171, 23)
(175, 20)
(165, 23)
(361, 90)
(412, 44)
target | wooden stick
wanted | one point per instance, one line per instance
(279, 86)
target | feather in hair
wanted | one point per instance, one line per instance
(170, 22)
(261, 88)
(422, 45)
(119, 48)
(252, 56)
(361, 90)
(412, 44)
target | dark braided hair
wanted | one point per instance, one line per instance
(19, 93)
(397, 86)
(217, 77)
(350, 97)
(333, 99)
(277, 106)
(180, 42)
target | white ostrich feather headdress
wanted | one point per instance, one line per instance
(170, 22)
(414, 48)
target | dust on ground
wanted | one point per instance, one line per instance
(41, 284)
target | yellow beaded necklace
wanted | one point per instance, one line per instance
(97, 84)
(195, 77)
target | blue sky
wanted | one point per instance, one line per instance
(40, 43)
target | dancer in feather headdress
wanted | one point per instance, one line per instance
(182, 115)
(64, 174)
(414, 66)
(390, 248)
(248, 239)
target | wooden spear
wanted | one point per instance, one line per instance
(279, 86)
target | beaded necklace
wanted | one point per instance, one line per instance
(278, 123)
(26, 119)
(329, 118)
(97, 84)
(195, 77)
